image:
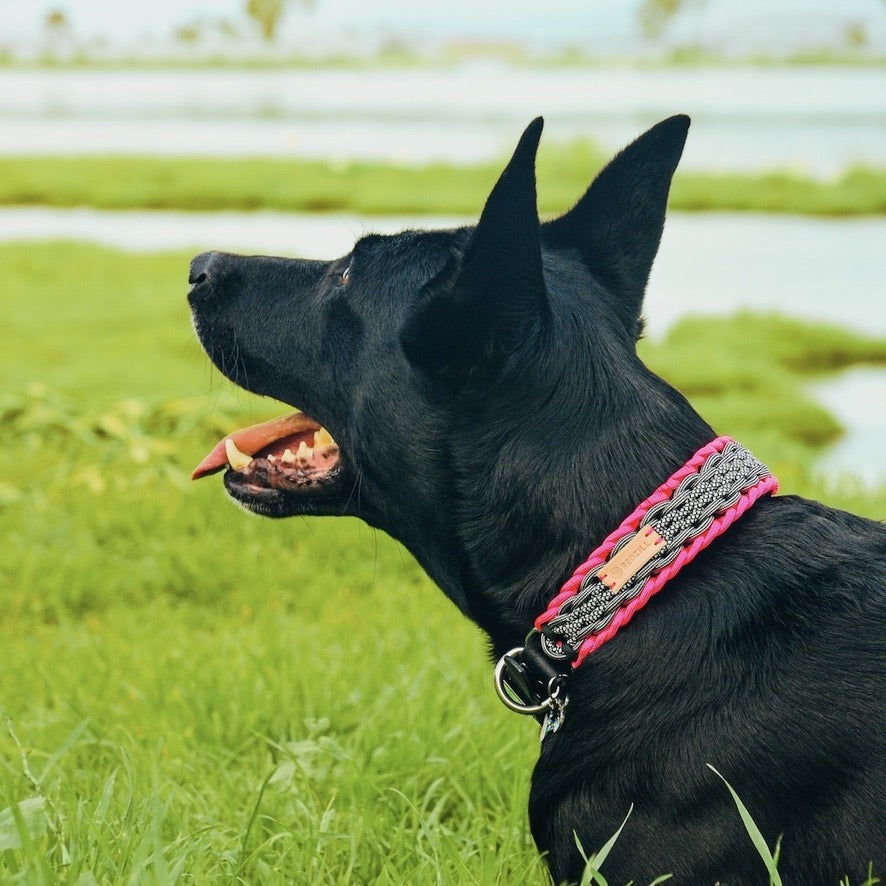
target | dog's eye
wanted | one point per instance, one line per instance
(346, 275)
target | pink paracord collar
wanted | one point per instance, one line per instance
(657, 579)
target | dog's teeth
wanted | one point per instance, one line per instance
(288, 458)
(304, 454)
(272, 458)
(236, 459)
(322, 439)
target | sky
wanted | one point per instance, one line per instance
(531, 21)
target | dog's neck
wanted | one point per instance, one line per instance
(516, 538)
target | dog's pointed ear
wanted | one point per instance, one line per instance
(478, 309)
(616, 226)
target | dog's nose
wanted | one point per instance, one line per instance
(200, 267)
(206, 273)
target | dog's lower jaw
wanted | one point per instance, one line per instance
(330, 498)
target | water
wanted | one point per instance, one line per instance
(828, 270)
(819, 269)
(857, 398)
(818, 119)
(831, 270)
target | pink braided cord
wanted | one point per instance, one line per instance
(658, 579)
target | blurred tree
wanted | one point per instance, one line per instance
(187, 34)
(856, 35)
(269, 12)
(655, 14)
(58, 33)
(56, 20)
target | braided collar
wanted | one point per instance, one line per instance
(653, 543)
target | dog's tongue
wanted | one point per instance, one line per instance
(253, 439)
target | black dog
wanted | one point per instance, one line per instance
(488, 409)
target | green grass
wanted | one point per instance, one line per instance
(759, 397)
(191, 695)
(399, 56)
(119, 182)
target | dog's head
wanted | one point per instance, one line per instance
(452, 369)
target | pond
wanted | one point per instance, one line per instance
(713, 263)
(817, 119)
(831, 270)
(857, 398)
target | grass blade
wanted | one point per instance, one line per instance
(770, 860)
(593, 863)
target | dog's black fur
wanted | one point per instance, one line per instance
(493, 415)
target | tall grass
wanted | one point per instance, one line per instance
(190, 695)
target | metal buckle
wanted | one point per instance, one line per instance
(515, 684)
(530, 680)
(512, 683)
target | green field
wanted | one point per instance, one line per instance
(377, 188)
(192, 695)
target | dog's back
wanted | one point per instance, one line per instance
(764, 661)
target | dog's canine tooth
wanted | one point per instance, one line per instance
(236, 459)
(322, 439)
(288, 457)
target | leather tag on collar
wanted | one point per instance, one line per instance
(624, 565)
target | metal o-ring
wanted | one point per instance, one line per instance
(505, 696)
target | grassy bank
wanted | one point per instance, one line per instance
(564, 171)
(398, 57)
(191, 695)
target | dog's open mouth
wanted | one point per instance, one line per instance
(290, 454)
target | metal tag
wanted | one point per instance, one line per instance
(553, 719)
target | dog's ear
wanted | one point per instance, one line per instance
(479, 308)
(616, 226)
